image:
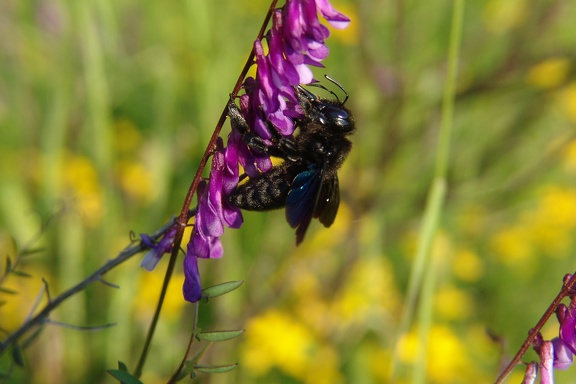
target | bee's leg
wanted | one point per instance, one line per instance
(236, 119)
(284, 148)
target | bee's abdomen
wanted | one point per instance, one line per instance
(265, 192)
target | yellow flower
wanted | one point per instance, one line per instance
(447, 358)
(452, 303)
(468, 266)
(276, 339)
(502, 16)
(136, 181)
(149, 288)
(127, 138)
(513, 246)
(370, 290)
(549, 73)
(81, 180)
(553, 222)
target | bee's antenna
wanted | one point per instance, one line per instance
(326, 89)
(339, 86)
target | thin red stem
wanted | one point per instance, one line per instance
(567, 290)
(183, 217)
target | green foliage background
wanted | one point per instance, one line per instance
(107, 106)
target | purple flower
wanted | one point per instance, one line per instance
(563, 357)
(335, 18)
(157, 250)
(295, 41)
(567, 319)
(213, 212)
(531, 373)
(546, 363)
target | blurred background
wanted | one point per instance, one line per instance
(107, 106)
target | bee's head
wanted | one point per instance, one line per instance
(330, 113)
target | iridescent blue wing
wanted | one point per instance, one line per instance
(328, 201)
(302, 198)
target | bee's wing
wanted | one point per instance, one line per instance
(302, 200)
(328, 201)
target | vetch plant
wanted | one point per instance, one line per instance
(273, 106)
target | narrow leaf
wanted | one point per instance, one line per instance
(8, 291)
(28, 252)
(123, 376)
(18, 355)
(215, 368)
(221, 289)
(219, 335)
(187, 370)
(21, 274)
(8, 266)
(32, 337)
(122, 366)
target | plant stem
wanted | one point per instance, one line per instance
(183, 217)
(176, 374)
(422, 279)
(42, 316)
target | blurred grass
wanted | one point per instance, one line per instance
(106, 107)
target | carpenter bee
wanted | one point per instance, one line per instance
(306, 183)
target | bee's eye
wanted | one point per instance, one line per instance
(339, 117)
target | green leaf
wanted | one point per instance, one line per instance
(219, 335)
(28, 252)
(8, 291)
(215, 368)
(21, 274)
(122, 366)
(221, 289)
(18, 355)
(8, 266)
(187, 370)
(123, 376)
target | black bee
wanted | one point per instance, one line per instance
(306, 183)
